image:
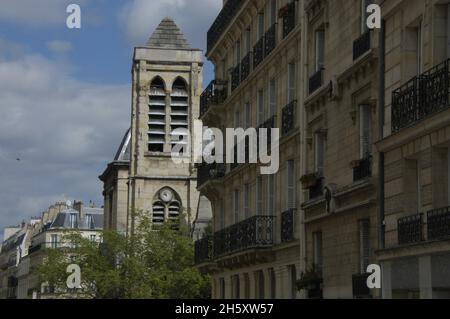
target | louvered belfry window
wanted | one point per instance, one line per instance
(179, 112)
(157, 116)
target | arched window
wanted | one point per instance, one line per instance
(179, 110)
(157, 116)
(166, 206)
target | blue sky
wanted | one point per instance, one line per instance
(64, 94)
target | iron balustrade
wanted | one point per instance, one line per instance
(258, 52)
(410, 229)
(315, 81)
(361, 45)
(215, 93)
(270, 40)
(287, 226)
(203, 250)
(253, 233)
(363, 170)
(246, 66)
(438, 224)
(288, 120)
(289, 19)
(235, 77)
(421, 97)
(207, 172)
(223, 20)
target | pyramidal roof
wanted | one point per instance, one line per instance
(168, 36)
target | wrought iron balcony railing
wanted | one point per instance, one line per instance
(438, 224)
(363, 170)
(315, 81)
(410, 229)
(253, 233)
(203, 250)
(361, 45)
(223, 20)
(258, 52)
(246, 66)
(289, 19)
(288, 121)
(270, 40)
(214, 93)
(421, 97)
(287, 226)
(207, 172)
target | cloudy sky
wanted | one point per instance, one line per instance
(65, 94)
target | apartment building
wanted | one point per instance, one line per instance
(415, 248)
(254, 251)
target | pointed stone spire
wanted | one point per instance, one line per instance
(167, 36)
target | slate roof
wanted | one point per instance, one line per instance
(124, 151)
(168, 36)
(62, 220)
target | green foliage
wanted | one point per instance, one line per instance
(148, 264)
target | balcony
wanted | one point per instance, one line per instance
(359, 284)
(288, 14)
(207, 172)
(270, 40)
(410, 229)
(421, 97)
(287, 226)
(362, 169)
(258, 52)
(288, 121)
(223, 20)
(203, 250)
(214, 93)
(254, 233)
(361, 45)
(246, 66)
(438, 224)
(315, 81)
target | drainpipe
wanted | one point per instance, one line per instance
(381, 118)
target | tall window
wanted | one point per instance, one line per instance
(222, 214)
(272, 98)
(238, 52)
(259, 196)
(224, 69)
(317, 245)
(291, 82)
(261, 117)
(364, 15)
(261, 285)
(293, 281)
(247, 200)
(271, 194)
(320, 49)
(54, 241)
(273, 12)
(261, 24)
(90, 221)
(273, 287)
(364, 245)
(420, 47)
(236, 287)
(248, 115)
(248, 40)
(319, 153)
(236, 200)
(290, 187)
(73, 220)
(222, 288)
(365, 131)
(157, 116)
(237, 118)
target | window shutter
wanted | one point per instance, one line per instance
(291, 82)
(271, 194)
(272, 98)
(320, 49)
(365, 131)
(259, 196)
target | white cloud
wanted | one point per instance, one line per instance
(64, 131)
(59, 46)
(193, 17)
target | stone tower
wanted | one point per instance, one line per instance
(166, 88)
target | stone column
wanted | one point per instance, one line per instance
(266, 283)
(425, 281)
(386, 281)
(251, 277)
(281, 280)
(213, 288)
(228, 287)
(241, 286)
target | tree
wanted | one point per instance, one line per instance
(151, 263)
